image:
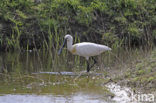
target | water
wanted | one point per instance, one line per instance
(122, 94)
(38, 77)
(78, 98)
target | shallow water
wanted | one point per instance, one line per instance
(78, 98)
(32, 77)
(121, 96)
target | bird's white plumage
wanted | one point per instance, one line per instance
(85, 49)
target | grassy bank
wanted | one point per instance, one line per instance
(140, 73)
(29, 24)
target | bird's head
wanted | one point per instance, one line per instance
(67, 38)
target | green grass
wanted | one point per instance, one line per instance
(43, 25)
(140, 74)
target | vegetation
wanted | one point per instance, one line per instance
(143, 75)
(140, 74)
(41, 24)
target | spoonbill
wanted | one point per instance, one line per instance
(84, 49)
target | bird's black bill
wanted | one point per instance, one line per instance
(64, 42)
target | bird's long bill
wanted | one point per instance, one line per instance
(64, 42)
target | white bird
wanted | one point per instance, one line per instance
(84, 49)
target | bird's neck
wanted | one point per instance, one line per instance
(69, 45)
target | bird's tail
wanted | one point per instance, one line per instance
(106, 48)
(109, 48)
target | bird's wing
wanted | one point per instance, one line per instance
(90, 49)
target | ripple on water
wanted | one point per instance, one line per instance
(122, 94)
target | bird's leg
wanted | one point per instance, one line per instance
(88, 68)
(93, 63)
